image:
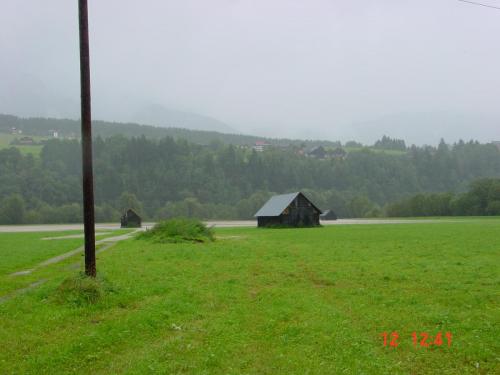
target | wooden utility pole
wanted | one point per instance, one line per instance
(88, 179)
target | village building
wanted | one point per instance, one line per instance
(26, 141)
(260, 146)
(294, 210)
(317, 152)
(130, 219)
(320, 152)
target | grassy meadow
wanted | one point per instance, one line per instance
(263, 301)
(5, 140)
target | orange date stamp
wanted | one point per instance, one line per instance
(421, 339)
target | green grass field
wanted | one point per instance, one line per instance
(22, 251)
(5, 140)
(269, 301)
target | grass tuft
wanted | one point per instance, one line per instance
(179, 230)
(82, 290)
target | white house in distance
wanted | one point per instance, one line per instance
(260, 145)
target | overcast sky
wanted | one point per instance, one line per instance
(308, 69)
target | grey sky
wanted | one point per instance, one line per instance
(307, 69)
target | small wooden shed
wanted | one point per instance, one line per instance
(130, 219)
(293, 210)
(328, 215)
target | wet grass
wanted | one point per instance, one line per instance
(24, 251)
(288, 301)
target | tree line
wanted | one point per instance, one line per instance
(168, 177)
(481, 199)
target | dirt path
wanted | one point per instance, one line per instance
(73, 236)
(108, 241)
(53, 227)
(22, 290)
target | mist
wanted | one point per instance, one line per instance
(338, 70)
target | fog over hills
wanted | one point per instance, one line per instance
(428, 128)
(339, 70)
(160, 116)
(28, 96)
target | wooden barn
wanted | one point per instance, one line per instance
(130, 219)
(293, 210)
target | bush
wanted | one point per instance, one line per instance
(179, 230)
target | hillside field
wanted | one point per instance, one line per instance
(262, 301)
(5, 140)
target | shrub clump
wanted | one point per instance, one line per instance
(82, 290)
(179, 230)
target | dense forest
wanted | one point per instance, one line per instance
(482, 199)
(167, 177)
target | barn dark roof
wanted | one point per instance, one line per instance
(277, 204)
(131, 212)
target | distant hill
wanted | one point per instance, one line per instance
(71, 128)
(168, 118)
(27, 95)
